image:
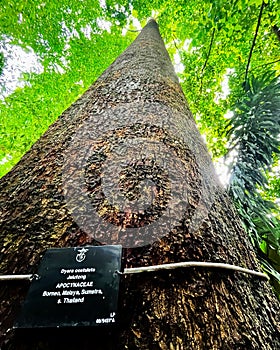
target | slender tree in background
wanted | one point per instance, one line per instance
(125, 164)
(255, 135)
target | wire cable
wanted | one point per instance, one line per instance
(17, 277)
(128, 271)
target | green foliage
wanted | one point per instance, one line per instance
(273, 186)
(26, 114)
(219, 32)
(254, 131)
(39, 24)
(220, 35)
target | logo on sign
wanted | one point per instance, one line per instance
(81, 256)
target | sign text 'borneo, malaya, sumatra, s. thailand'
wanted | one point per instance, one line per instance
(75, 287)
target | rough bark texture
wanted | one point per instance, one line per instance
(137, 99)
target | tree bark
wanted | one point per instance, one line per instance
(161, 201)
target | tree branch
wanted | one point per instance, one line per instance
(254, 41)
(209, 51)
(134, 30)
(174, 42)
(267, 64)
(207, 57)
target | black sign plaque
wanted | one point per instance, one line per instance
(76, 287)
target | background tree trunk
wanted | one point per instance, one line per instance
(135, 110)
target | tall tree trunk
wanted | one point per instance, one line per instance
(126, 165)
